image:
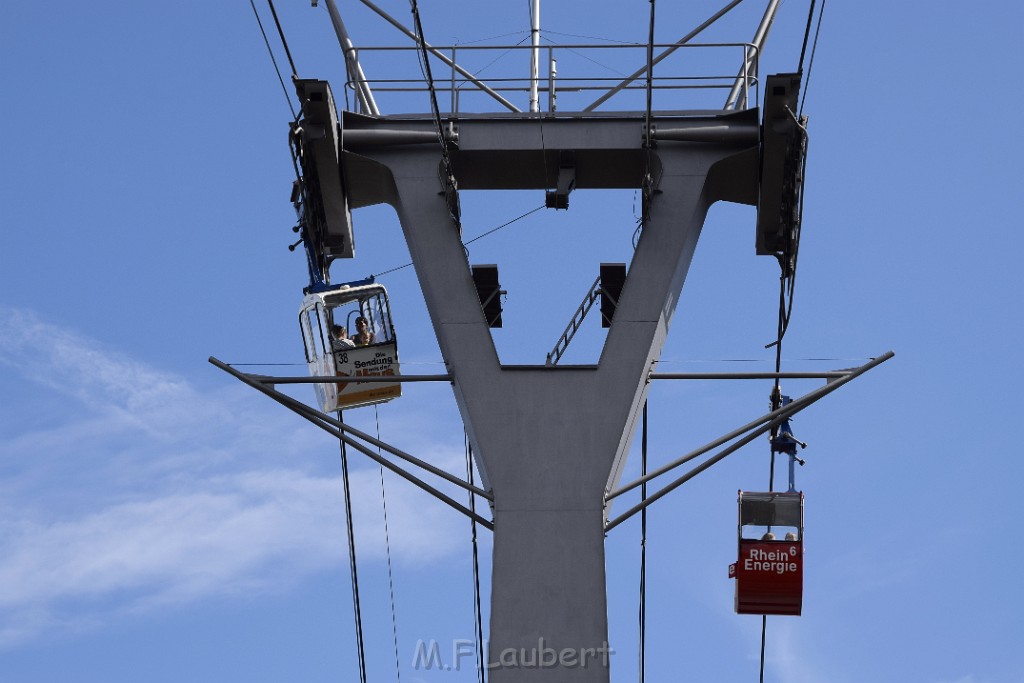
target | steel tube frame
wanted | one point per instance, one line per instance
(759, 37)
(325, 422)
(647, 500)
(722, 82)
(440, 55)
(782, 414)
(774, 417)
(354, 68)
(328, 379)
(679, 43)
(834, 374)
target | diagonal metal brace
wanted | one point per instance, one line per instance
(767, 422)
(652, 62)
(444, 58)
(337, 428)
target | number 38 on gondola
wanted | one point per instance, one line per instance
(347, 332)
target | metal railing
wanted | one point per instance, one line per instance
(578, 78)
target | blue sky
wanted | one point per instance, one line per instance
(160, 522)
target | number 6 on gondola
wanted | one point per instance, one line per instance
(347, 332)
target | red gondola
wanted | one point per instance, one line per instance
(770, 571)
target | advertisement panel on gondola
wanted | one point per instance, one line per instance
(770, 577)
(380, 360)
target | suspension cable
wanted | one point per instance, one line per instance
(284, 42)
(787, 286)
(273, 59)
(428, 76)
(814, 48)
(478, 626)
(357, 611)
(387, 545)
(807, 33)
(776, 403)
(764, 627)
(787, 290)
(450, 190)
(648, 183)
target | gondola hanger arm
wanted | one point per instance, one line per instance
(760, 426)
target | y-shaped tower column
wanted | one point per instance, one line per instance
(549, 441)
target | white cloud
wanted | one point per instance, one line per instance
(149, 493)
(792, 656)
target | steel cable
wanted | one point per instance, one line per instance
(273, 59)
(477, 611)
(810, 65)
(643, 552)
(361, 654)
(284, 42)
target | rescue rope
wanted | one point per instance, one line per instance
(643, 550)
(477, 611)
(387, 545)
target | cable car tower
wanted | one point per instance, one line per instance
(550, 440)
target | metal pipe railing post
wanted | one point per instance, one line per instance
(552, 75)
(535, 57)
(352, 65)
(454, 103)
(746, 79)
(759, 37)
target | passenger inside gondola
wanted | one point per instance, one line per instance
(363, 336)
(339, 338)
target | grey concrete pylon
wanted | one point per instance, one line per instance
(549, 441)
